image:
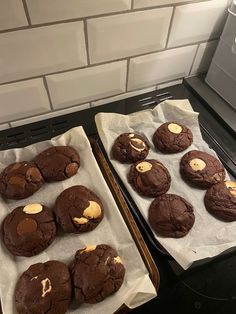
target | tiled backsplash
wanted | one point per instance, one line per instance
(60, 56)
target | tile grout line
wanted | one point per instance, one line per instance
(105, 62)
(27, 12)
(86, 41)
(132, 4)
(127, 75)
(48, 93)
(81, 19)
(195, 55)
(170, 27)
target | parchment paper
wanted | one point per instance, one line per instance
(137, 288)
(209, 236)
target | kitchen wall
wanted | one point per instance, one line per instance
(60, 56)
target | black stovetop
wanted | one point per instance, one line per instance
(205, 289)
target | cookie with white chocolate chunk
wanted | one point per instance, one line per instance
(220, 200)
(78, 209)
(44, 288)
(28, 230)
(130, 147)
(97, 272)
(172, 137)
(58, 163)
(149, 177)
(201, 169)
(20, 180)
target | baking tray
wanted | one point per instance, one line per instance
(140, 244)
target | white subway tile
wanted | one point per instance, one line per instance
(49, 115)
(123, 35)
(122, 96)
(172, 83)
(197, 22)
(12, 14)
(23, 99)
(41, 50)
(71, 88)
(160, 67)
(150, 3)
(204, 56)
(42, 11)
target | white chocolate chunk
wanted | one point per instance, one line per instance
(174, 128)
(47, 287)
(34, 278)
(144, 166)
(80, 221)
(117, 259)
(131, 135)
(231, 186)
(197, 164)
(137, 141)
(33, 209)
(88, 248)
(92, 211)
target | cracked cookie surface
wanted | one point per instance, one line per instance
(78, 209)
(172, 137)
(220, 200)
(130, 147)
(201, 169)
(149, 177)
(44, 288)
(97, 272)
(171, 215)
(20, 180)
(28, 230)
(58, 163)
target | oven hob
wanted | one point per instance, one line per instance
(208, 288)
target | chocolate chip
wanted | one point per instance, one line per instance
(27, 225)
(33, 175)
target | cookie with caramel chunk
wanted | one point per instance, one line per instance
(172, 137)
(28, 230)
(44, 288)
(97, 272)
(20, 180)
(149, 177)
(130, 147)
(58, 163)
(201, 169)
(78, 209)
(220, 200)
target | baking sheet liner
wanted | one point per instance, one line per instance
(137, 288)
(209, 236)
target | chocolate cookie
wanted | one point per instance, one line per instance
(20, 180)
(97, 272)
(130, 147)
(28, 230)
(58, 163)
(172, 137)
(78, 209)
(44, 288)
(201, 169)
(171, 216)
(220, 200)
(149, 177)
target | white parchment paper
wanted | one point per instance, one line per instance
(209, 236)
(137, 288)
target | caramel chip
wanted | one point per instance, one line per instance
(72, 169)
(231, 186)
(197, 164)
(26, 225)
(144, 166)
